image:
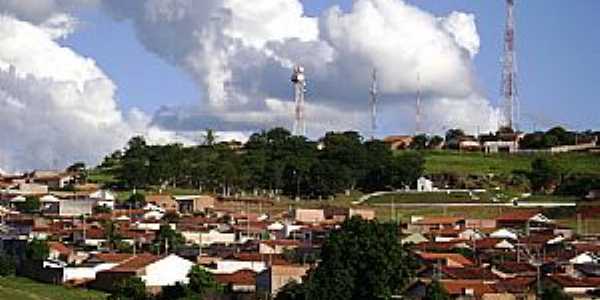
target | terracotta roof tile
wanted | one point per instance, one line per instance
(458, 287)
(242, 277)
(446, 256)
(135, 263)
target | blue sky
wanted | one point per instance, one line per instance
(558, 53)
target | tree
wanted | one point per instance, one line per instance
(292, 291)
(167, 236)
(362, 260)
(177, 291)
(436, 142)
(31, 205)
(209, 138)
(435, 291)
(132, 288)
(7, 265)
(406, 168)
(136, 201)
(113, 237)
(419, 142)
(555, 294)
(543, 174)
(37, 250)
(453, 134)
(202, 282)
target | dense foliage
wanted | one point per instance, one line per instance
(435, 291)
(556, 136)
(362, 260)
(132, 288)
(272, 162)
(37, 250)
(30, 205)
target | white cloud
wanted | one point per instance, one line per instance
(241, 54)
(56, 107)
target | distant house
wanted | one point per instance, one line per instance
(195, 203)
(155, 271)
(239, 282)
(529, 219)
(52, 179)
(277, 246)
(166, 202)
(425, 225)
(270, 281)
(398, 142)
(104, 198)
(454, 260)
(305, 215)
(424, 185)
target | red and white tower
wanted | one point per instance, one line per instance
(299, 82)
(510, 94)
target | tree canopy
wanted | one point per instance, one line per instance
(362, 260)
(273, 162)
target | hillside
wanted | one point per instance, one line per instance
(466, 163)
(25, 289)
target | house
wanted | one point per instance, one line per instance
(104, 198)
(398, 142)
(305, 215)
(524, 219)
(425, 225)
(578, 288)
(75, 208)
(271, 280)
(424, 185)
(473, 289)
(53, 179)
(277, 246)
(87, 270)
(364, 213)
(155, 271)
(446, 259)
(239, 282)
(207, 238)
(165, 202)
(501, 146)
(196, 203)
(58, 251)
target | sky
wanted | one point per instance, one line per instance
(558, 58)
(78, 78)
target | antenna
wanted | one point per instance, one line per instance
(373, 103)
(510, 92)
(299, 82)
(418, 106)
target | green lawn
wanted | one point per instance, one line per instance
(25, 289)
(465, 163)
(439, 197)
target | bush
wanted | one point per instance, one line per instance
(37, 250)
(130, 289)
(7, 265)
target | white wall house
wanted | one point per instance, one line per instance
(424, 185)
(167, 271)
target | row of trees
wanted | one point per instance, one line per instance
(274, 161)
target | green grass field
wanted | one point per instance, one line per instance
(465, 163)
(25, 289)
(440, 197)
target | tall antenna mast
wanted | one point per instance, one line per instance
(510, 93)
(418, 106)
(373, 103)
(299, 82)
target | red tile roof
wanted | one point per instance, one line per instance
(568, 281)
(470, 273)
(458, 287)
(284, 243)
(112, 257)
(135, 263)
(242, 277)
(513, 267)
(60, 248)
(446, 256)
(516, 284)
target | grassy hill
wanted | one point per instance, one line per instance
(25, 289)
(466, 163)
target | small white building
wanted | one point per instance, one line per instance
(424, 185)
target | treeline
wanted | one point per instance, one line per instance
(272, 162)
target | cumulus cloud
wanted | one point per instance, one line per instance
(241, 54)
(56, 107)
